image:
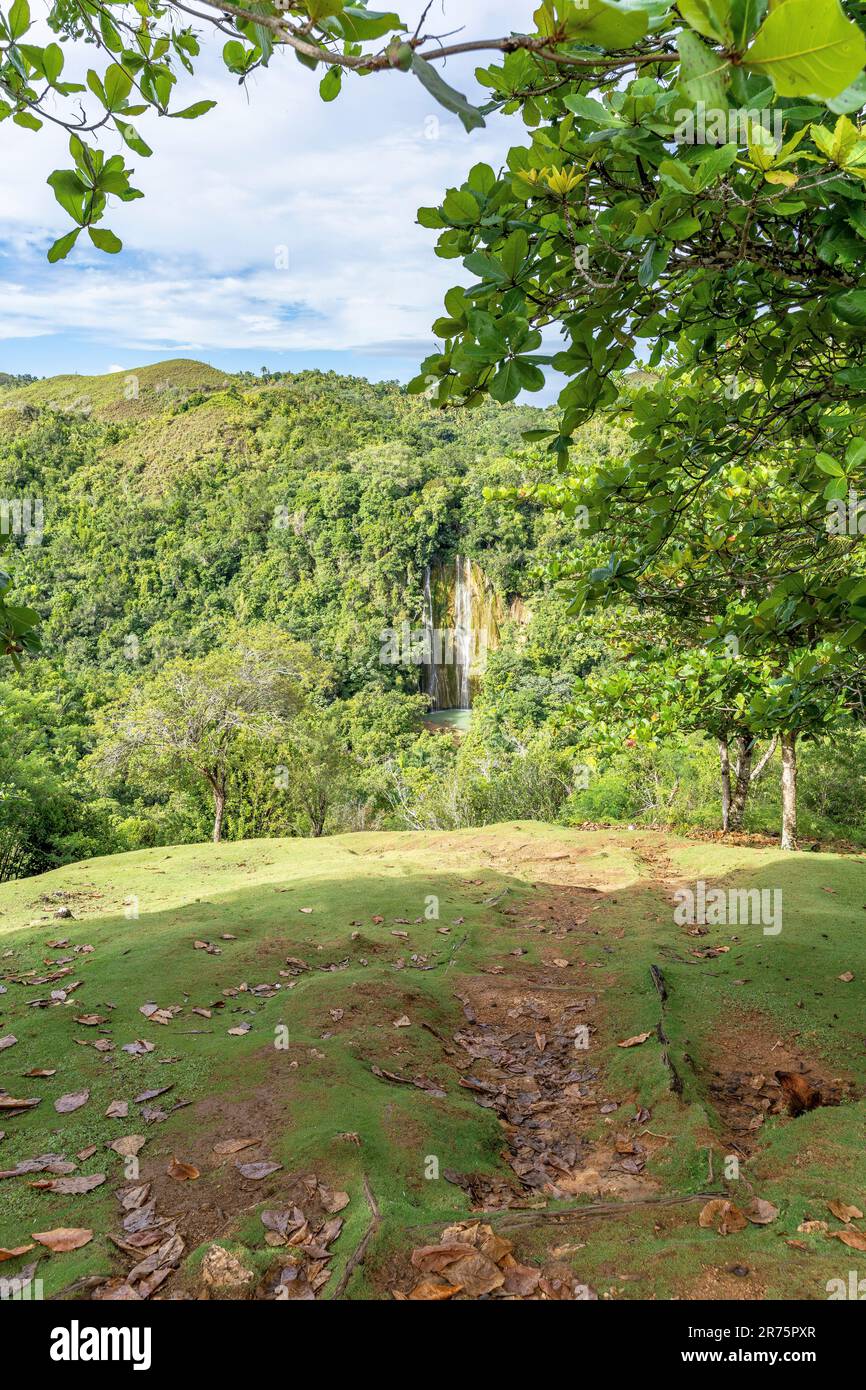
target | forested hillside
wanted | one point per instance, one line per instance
(186, 527)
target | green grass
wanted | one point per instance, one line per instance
(305, 1096)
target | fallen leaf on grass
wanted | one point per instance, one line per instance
(234, 1146)
(117, 1110)
(847, 977)
(722, 1216)
(72, 1187)
(182, 1172)
(90, 1020)
(64, 1238)
(402, 1022)
(256, 1171)
(151, 1095)
(64, 1105)
(11, 1254)
(40, 1072)
(432, 1290)
(761, 1212)
(129, 1145)
(844, 1211)
(9, 1041)
(812, 1228)
(14, 1104)
(635, 1041)
(855, 1239)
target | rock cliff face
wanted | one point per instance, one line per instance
(463, 615)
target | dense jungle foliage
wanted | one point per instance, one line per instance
(192, 523)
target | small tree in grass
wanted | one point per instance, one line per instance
(188, 718)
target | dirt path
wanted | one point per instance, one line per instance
(530, 1052)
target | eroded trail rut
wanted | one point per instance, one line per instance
(528, 1051)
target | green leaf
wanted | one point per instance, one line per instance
(132, 138)
(709, 17)
(506, 384)
(52, 61)
(117, 85)
(19, 19)
(850, 306)
(189, 113)
(359, 24)
(808, 48)
(446, 96)
(829, 465)
(596, 23)
(703, 73)
(104, 240)
(61, 248)
(69, 190)
(331, 83)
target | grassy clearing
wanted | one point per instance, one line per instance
(498, 889)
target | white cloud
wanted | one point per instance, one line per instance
(336, 185)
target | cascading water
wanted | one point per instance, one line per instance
(429, 635)
(463, 646)
(461, 618)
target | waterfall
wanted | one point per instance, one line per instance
(461, 617)
(463, 629)
(429, 620)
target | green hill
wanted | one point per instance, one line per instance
(348, 1003)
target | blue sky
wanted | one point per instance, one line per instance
(276, 231)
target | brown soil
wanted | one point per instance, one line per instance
(739, 1073)
(528, 1053)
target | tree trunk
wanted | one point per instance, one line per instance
(219, 806)
(789, 791)
(745, 747)
(725, 769)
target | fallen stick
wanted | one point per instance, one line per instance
(530, 1216)
(357, 1256)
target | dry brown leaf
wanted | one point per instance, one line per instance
(433, 1290)
(74, 1186)
(855, 1239)
(129, 1145)
(11, 1254)
(256, 1171)
(64, 1105)
(64, 1238)
(234, 1146)
(723, 1216)
(761, 1212)
(183, 1172)
(844, 1211)
(635, 1041)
